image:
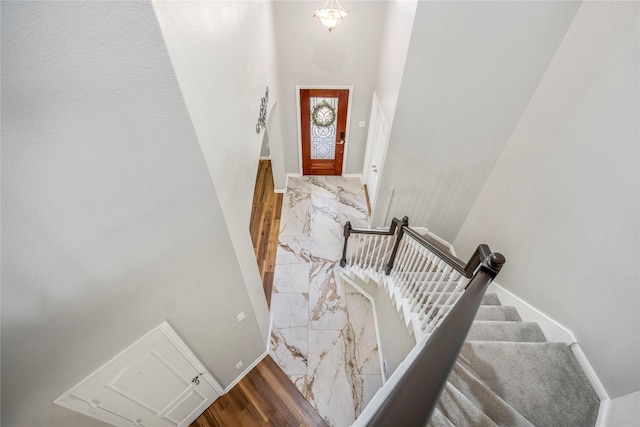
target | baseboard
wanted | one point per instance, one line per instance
(353, 175)
(589, 372)
(265, 157)
(554, 332)
(603, 413)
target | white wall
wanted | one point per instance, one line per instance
(224, 58)
(470, 71)
(396, 35)
(110, 220)
(309, 55)
(562, 201)
(624, 411)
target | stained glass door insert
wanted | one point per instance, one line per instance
(323, 127)
(323, 119)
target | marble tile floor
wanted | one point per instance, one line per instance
(323, 330)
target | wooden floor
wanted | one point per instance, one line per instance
(265, 224)
(264, 397)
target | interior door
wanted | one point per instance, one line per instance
(152, 384)
(377, 146)
(323, 124)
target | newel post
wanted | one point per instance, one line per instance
(400, 232)
(346, 234)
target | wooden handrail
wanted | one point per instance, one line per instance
(416, 393)
(401, 227)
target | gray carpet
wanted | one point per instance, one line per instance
(508, 375)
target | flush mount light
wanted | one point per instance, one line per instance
(331, 14)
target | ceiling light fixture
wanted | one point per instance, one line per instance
(331, 14)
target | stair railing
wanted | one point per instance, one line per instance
(437, 292)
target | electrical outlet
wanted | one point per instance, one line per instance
(241, 316)
(240, 364)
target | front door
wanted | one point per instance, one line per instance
(156, 382)
(323, 116)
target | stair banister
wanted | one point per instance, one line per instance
(416, 391)
(399, 228)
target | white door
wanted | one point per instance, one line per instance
(376, 149)
(156, 382)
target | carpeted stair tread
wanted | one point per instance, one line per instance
(491, 299)
(542, 381)
(439, 420)
(483, 330)
(485, 399)
(459, 410)
(498, 313)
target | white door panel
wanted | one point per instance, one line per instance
(377, 148)
(155, 382)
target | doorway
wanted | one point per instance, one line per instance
(377, 142)
(323, 128)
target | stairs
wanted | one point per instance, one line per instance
(506, 374)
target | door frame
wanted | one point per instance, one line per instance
(299, 120)
(69, 401)
(376, 115)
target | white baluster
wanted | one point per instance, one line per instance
(411, 266)
(432, 313)
(400, 254)
(415, 277)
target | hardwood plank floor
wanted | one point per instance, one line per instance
(264, 397)
(265, 225)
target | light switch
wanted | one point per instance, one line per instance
(362, 124)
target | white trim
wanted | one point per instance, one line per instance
(353, 175)
(245, 372)
(265, 157)
(347, 130)
(554, 332)
(603, 413)
(173, 337)
(589, 372)
(69, 401)
(269, 336)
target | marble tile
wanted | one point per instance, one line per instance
(301, 383)
(351, 191)
(325, 221)
(290, 310)
(361, 321)
(323, 335)
(295, 215)
(357, 215)
(290, 350)
(293, 250)
(291, 278)
(327, 298)
(329, 382)
(299, 184)
(324, 186)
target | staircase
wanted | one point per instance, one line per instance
(506, 373)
